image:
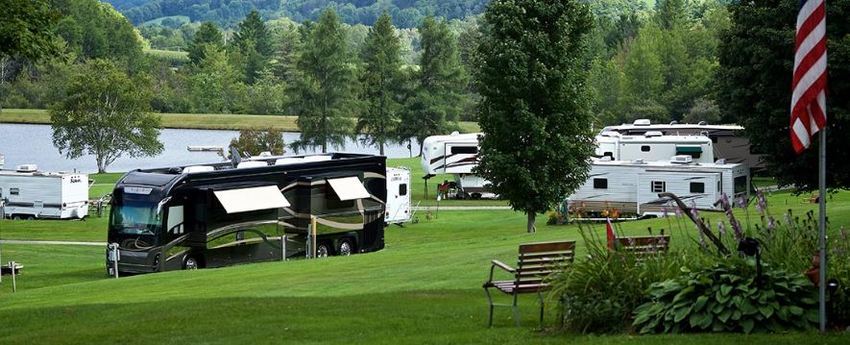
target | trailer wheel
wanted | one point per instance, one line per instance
(323, 250)
(190, 263)
(16, 217)
(345, 248)
(30, 217)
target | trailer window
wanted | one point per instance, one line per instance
(645, 148)
(464, 150)
(658, 186)
(697, 187)
(402, 189)
(600, 183)
(14, 191)
(740, 184)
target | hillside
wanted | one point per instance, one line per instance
(406, 13)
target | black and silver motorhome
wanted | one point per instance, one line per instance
(226, 213)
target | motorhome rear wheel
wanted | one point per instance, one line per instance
(190, 263)
(345, 248)
(323, 250)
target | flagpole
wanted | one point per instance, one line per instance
(822, 229)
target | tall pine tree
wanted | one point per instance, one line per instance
(208, 35)
(381, 82)
(535, 111)
(438, 95)
(253, 41)
(325, 87)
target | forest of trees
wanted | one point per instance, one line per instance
(655, 63)
(405, 13)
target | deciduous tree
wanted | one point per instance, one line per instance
(105, 114)
(535, 111)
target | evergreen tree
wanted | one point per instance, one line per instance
(381, 81)
(208, 35)
(214, 83)
(534, 112)
(253, 42)
(324, 91)
(438, 95)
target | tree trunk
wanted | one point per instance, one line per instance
(325, 147)
(101, 168)
(530, 225)
(381, 148)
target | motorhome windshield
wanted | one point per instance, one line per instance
(135, 218)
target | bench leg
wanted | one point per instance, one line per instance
(516, 310)
(490, 302)
(542, 308)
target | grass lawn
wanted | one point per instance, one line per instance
(193, 121)
(424, 287)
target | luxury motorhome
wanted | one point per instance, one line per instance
(729, 140)
(27, 193)
(653, 146)
(233, 212)
(631, 187)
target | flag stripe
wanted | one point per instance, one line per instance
(808, 95)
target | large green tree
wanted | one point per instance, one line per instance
(381, 81)
(253, 41)
(253, 142)
(214, 83)
(208, 35)
(105, 114)
(26, 29)
(754, 88)
(535, 110)
(437, 96)
(324, 92)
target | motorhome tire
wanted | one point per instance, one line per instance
(346, 247)
(323, 250)
(190, 263)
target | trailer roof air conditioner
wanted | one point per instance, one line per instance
(251, 164)
(251, 199)
(642, 122)
(27, 168)
(348, 188)
(649, 134)
(682, 159)
(197, 169)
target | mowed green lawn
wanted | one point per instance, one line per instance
(194, 121)
(424, 287)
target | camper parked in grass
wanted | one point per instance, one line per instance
(653, 146)
(455, 154)
(31, 194)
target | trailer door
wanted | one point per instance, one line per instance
(398, 196)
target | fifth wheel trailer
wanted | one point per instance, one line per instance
(28, 193)
(217, 214)
(455, 154)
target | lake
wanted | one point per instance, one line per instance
(33, 144)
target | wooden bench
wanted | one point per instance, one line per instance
(535, 263)
(643, 247)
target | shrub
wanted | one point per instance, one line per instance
(727, 297)
(599, 292)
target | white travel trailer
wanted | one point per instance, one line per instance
(653, 146)
(455, 154)
(398, 196)
(632, 187)
(729, 142)
(29, 194)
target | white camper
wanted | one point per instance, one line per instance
(29, 194)
(729, 142)
(632, 187)
(398, 196)
(455, 154)
(653, 146)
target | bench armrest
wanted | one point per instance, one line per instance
(499, 264)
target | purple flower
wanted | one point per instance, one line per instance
(664, 209)
(771, 223)
(721, 228)
(678, 212)
(742, 202)
(701, 238)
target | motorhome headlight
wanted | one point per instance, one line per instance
(156, 260)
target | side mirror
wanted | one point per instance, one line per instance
(161, 204)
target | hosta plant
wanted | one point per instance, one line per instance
(729, 296)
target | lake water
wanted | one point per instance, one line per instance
(33, 144)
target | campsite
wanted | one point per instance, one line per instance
(424, 172)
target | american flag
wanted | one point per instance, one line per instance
(808, 101)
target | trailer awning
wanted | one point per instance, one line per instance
(251, 199)
(688, 149)
(348, 188)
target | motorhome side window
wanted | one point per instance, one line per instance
(659, 186)
(402, 189)
(697, 187)
(600, 183)
(645, 148)
(14, 191)
(464, 150)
